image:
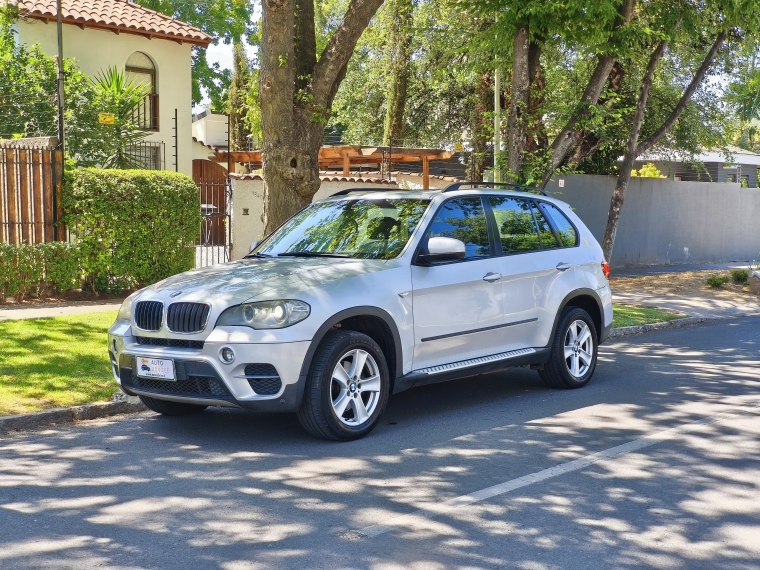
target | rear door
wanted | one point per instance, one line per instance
(521, 267)
(458, 306)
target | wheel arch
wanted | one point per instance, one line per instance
(589, 301)
(372, 321)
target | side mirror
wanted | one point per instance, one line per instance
(441, 249)
(254, 244)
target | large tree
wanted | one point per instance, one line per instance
(296, 91)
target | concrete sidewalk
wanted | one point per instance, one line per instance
(13, 313)
(703, 307)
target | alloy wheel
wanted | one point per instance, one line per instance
(355, 387)
(579, 348)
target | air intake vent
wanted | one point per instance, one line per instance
(263, 378)
(149, 315)
(187, 317)
(170, 342)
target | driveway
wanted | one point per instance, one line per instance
(654, 464)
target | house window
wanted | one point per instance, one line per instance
(678, 177)
(730, 178)
(141, 69)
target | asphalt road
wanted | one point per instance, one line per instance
(655, 464)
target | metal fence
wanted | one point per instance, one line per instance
(148, 155)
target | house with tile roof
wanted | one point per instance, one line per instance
(153, 48)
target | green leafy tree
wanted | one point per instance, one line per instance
(226, 21)
(237, 98)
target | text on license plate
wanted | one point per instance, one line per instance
(160, 368)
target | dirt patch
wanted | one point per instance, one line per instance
(686, 284)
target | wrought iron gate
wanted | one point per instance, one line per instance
(213, 245)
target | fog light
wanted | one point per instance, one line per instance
(227, 355)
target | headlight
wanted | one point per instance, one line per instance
(125, 312)
(265, 314)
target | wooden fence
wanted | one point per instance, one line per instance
(30, 184)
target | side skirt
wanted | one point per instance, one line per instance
(473, 367)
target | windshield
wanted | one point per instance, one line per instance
(365, 228)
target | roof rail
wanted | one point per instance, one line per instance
(348, 191)
(507, 186)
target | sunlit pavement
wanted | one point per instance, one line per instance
(655, 464)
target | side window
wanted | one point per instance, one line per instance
(548, 241)
(567, 234)
(463, 219)
(517, 228)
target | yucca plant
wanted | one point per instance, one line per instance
(118, 94)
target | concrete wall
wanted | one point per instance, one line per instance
(248, 195)
(663, 221)
(95, 50)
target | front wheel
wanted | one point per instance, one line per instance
(168, 408)
(347, 387)
(573, 353)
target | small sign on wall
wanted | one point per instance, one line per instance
(561, 182)
(106, 118)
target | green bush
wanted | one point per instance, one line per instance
(132, 227)
(38, 269)
(717, 281)
(740, 276)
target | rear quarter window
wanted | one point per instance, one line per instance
(566, 231)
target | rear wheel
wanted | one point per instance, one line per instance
(168, 408)
(347, 388)
(573, 353)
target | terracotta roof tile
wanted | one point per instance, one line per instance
(116, 15)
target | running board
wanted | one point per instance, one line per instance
(475, 361)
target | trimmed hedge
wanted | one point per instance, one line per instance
(132, 227)
(39, 269)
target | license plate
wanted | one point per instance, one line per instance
(158, 368)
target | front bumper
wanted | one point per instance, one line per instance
(201, 378)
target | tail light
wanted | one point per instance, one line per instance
(606, 269)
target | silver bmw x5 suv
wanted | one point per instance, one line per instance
(366, 294)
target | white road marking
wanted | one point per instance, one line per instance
(435, 510)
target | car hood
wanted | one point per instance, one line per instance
(240, 281)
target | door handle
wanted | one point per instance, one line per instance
(492, 277)
(563, 266)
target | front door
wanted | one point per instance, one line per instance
(458, 307)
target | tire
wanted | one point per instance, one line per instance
(328, 391)
(168, 408)
(577, 369)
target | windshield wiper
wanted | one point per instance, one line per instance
(311, 254)
(250, 255)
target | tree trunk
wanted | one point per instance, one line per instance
(590, 142)
(480, 133)
(633, 149)
(400, 61)
(296, 92)
(527, 54)
(618, 196)
(569, 136)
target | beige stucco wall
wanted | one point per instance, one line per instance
(249, 194)
(96, 50)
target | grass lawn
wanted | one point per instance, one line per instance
(58, 362)
(627, 316)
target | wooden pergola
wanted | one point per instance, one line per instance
(352, 155)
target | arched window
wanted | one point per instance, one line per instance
(142, 70)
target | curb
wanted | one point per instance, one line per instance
(122, 404)
(674, 324)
